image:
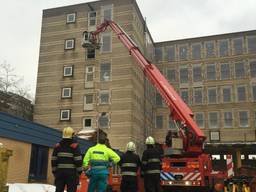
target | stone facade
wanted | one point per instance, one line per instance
(106, 89)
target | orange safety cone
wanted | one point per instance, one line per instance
(83, 183)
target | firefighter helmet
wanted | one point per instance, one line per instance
(130, 146)
(150, 141)
(68, 133)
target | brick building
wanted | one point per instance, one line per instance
(105, 89)
(16, 105)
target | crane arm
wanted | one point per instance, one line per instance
(191, 134)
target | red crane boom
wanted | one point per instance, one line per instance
(191, 134)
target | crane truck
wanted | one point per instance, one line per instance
(187, 167)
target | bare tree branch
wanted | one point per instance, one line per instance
(10, 82)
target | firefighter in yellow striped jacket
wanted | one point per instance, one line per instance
(129, 163)
(66, 162)
(96, 163)
(151, 166)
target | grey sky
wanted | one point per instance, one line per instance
(166, 19)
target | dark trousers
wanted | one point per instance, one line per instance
(63, 179)
(152, 183)
(129, 184)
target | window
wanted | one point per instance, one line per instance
(106, 12)
(197, 73)
(199, 117)
(239, 70)
(65, 114)
(71, 18)
(159, 101)
(237, 46)
(171, 54)
(241, 93)
(87, 123)
(243, 118)
(171, 75)
(88, 102)
(225, 71)
(212, 95)
(213, 120)
(198, 95)
(92, 18)
(38, 163)
(158, 54)
(68, 71)
(66, 92)
(254, 92)
(90, 53)
(196, 51)
(89, 73)
(184, 95)
(104, 120)
(211, 72)
(159, 121)
(253, 68)
(251, 40)
(226, 94)
(223, 48)
(183, 52)
(215, 136)
(69, 44)
(104, 97)
(228, 119)
(105, 72)
(183, 75)
(209, 49)
(106, 42)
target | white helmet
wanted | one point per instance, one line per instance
(150, 141)
(130, 146)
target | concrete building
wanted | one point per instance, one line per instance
(105, 88)
(16, 105)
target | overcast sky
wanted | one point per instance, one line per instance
(166, 19)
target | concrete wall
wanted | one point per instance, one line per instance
(19, 162)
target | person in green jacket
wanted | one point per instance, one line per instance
(96, 162)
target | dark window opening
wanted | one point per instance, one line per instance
(38, 163)
(90, 53)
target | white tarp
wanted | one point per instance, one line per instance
(22, 187)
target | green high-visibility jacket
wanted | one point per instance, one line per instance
(99, 158)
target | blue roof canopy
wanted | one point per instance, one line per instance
(16, 128)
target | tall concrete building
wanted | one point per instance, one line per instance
(90, 89)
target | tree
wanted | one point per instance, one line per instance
(10, 82)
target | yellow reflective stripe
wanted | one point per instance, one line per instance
(129, 173)
(63, 154)
(152, 171)
(144, 162)
(79, 169)
(99, 167)
(54, 168)
(68, 166)
(153, 160)
(129, 165)
(78, 158)
(54, 158)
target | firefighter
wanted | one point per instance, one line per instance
(129, 163)
(151, 166)
(66, 162)
(96, 162)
